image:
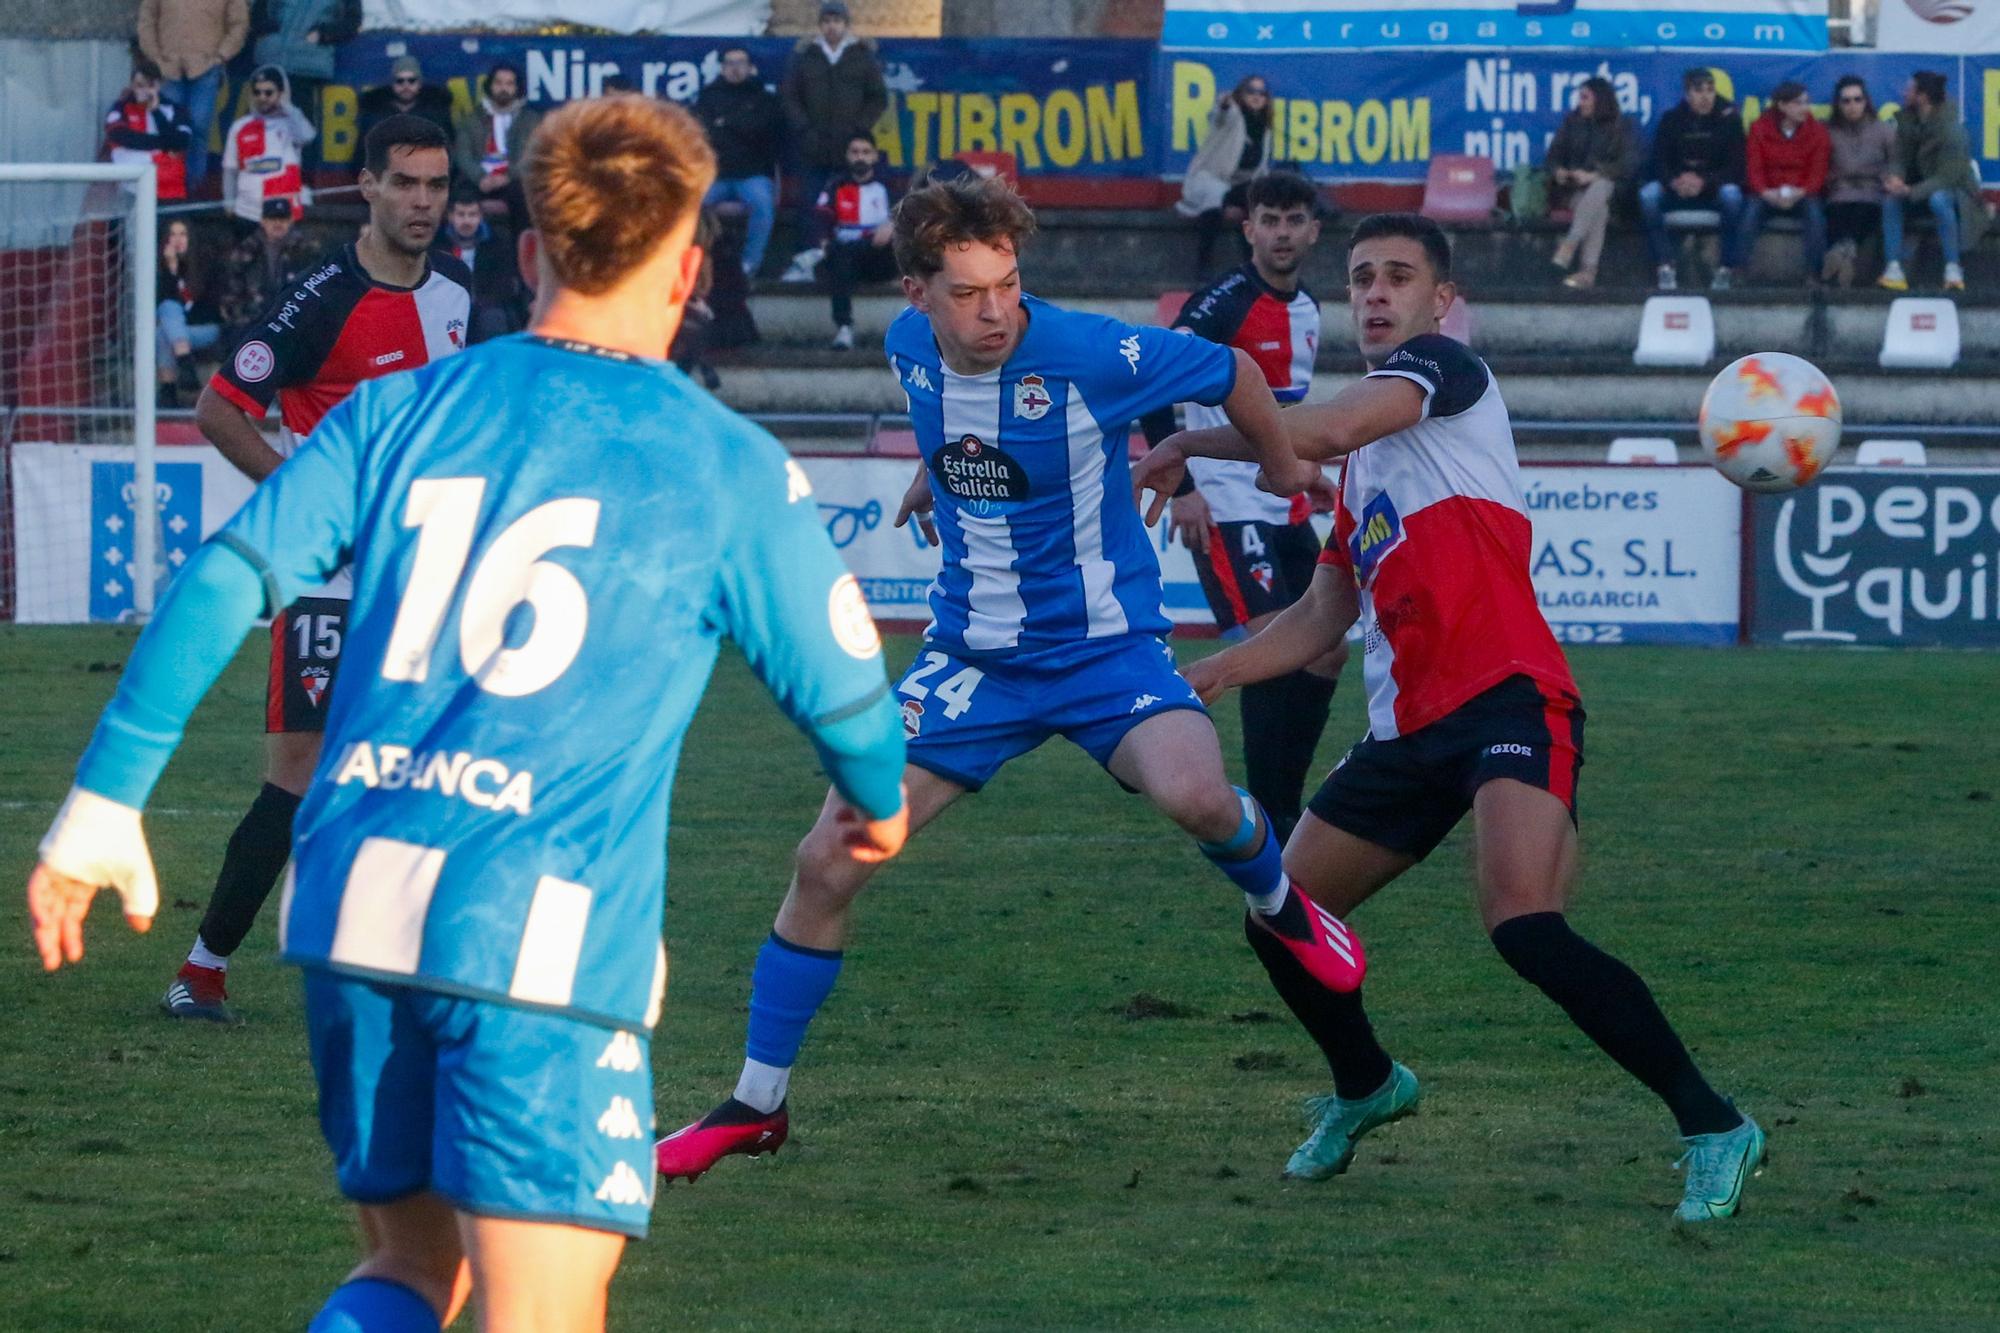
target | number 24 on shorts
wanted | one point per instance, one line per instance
(955, 692)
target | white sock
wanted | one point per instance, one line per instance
(1269, 904)
(201, 957)
(761, 1087)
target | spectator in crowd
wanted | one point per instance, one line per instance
(191, 41)
(490, 143)
(1236, 151)
(406, 94)
(143, 127)
(1861, 159)
(743, 120)
(499, 300)
(855, 209)
(1785, 162)
(264, 263)
(833, 90)
(299, 37)
(1934, 168)
(179, 334)
(1697, 163)
(261, 155)
(1592, 153)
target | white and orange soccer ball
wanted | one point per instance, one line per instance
(1770, 421)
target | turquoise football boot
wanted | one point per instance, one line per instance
(1338, 1125)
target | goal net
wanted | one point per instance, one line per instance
(78, 259)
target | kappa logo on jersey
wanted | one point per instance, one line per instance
(621, 1120)
(1031, 399)
(913, 719)
(622, 1054)
(314, 680)
(255, 361)
(797, 485)
(622, 1186)
(971, 469)
(1143, 702)
(1129, 349)
(853, 626)
(1378, 532)
(920, 380)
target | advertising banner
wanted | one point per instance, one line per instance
(1082, 108)
(737, 17)
(1885, 557)
(1637, 554)
(1938, 25)
(1346, 25)
(73, 507)
(1378, 115)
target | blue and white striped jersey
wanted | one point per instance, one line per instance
(1030, 475)
(548, 541)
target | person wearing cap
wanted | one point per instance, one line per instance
(833, 90)
(271, 258)
(406, 94)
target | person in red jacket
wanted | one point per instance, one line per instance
(1786, 160)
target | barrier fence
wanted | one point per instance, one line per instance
(1622, 555)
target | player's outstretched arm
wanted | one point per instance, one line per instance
(1254, 414)
(96, 841)
(1302, 633)
(1362, 413)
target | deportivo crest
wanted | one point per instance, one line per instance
(1031, 399)
(913, 719)
(314, 680)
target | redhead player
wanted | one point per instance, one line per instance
(1470, 707)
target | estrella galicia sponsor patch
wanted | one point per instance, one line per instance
(971, 469)
(1378, 532)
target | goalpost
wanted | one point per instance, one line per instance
(80, 499)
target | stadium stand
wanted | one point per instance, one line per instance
(1675, 331)
(1644, 450)
(1890, 453)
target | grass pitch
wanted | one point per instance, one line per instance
(1053, 1089)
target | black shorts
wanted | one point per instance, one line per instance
(305, 655)
(1254, 569)
(1406, 794)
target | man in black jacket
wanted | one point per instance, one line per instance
(833, 90)
(1697, 163)
(406, 94)
(743, 120)
(499, 298)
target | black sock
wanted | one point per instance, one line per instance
(1613, 1007)
(1337, 1022)
(1282, 722)
(256, 857)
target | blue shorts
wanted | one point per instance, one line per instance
(505, 1111)
(964, 718)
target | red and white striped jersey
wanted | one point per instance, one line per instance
(1280, 331)
(264, 152)
(1433, 527)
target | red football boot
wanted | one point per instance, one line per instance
(1324, 947)
(198, 992)
(730, 1128)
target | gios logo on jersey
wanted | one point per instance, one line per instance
(975, 471)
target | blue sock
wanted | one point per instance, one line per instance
(787, 988)
(374, 1305)
(1251, 857)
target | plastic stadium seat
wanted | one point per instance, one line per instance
(1890, 453)
(1168, 306)
(1692, 219)
(1457, 321)
(1922, 334)
(893, 444)
(1460, 189)
(1675, 331)
(1643, 449)
(992, 164)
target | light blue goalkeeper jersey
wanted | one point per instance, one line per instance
(549, 541)
(1029, 471)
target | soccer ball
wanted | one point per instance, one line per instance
(1770, 421)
